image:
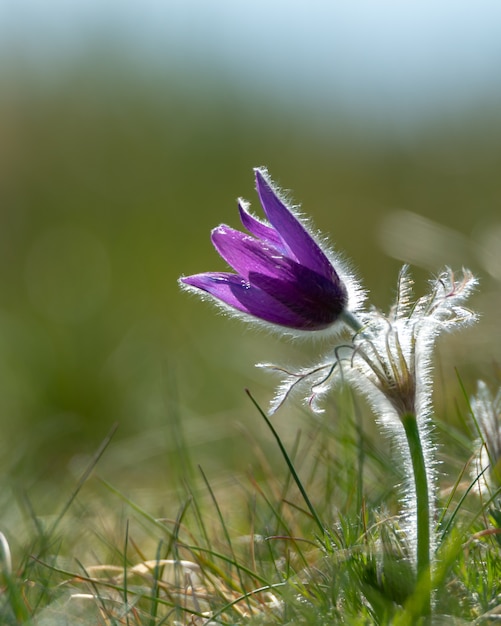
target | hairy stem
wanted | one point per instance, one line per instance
(351, 320)
(421, 486)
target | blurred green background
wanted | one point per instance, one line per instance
(124, 141)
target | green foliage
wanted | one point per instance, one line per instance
(251, 551)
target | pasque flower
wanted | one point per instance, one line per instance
(282, 275)
(389, 362)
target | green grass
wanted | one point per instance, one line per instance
(312, 538)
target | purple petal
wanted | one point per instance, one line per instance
(290, 229)
(258, 229)
(237, 293)
(246, 254)
(316, 300)
(314, 297)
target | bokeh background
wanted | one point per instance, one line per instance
(128, 130)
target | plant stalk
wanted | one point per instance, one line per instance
(421, 486)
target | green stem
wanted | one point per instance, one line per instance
(351, 320)
(410, 424)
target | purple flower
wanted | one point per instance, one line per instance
(282, 276)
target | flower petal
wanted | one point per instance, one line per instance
(237, 293)
(257, 228)
(246, 254)
(293, 233)
(310, 295)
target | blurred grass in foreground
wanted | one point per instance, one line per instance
(246, 550)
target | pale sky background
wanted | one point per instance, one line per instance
(398, 60)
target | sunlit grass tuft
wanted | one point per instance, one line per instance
(316, 542)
